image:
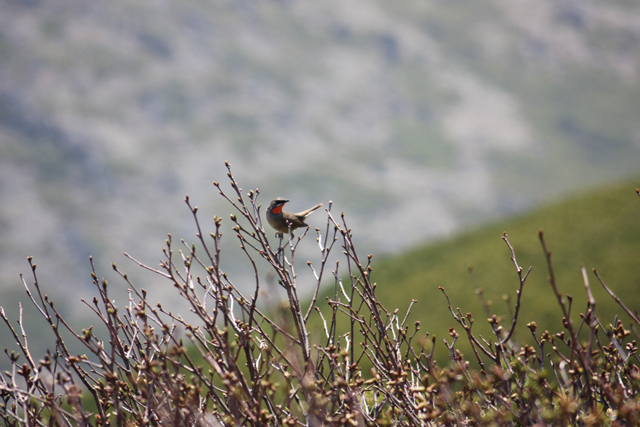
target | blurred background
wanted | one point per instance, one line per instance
(417, 120)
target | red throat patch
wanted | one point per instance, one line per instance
(277, 209)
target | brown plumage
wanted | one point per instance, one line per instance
(278, 218)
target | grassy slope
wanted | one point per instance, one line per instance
(600, 229)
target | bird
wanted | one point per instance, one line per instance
(281, 220)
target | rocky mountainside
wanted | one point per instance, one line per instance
(415, 119)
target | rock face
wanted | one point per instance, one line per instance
(438, 114)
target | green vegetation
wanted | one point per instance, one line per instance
(600, 229)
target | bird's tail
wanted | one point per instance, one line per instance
(308, 211)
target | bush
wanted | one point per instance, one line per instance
(249, 364)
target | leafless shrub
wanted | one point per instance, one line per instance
(246, 364)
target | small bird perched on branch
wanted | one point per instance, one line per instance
(278, 218)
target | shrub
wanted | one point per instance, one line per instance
(248, 364)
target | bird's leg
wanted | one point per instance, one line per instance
(290, 229)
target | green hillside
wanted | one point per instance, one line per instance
(600, 229)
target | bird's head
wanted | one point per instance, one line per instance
(277, 204)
